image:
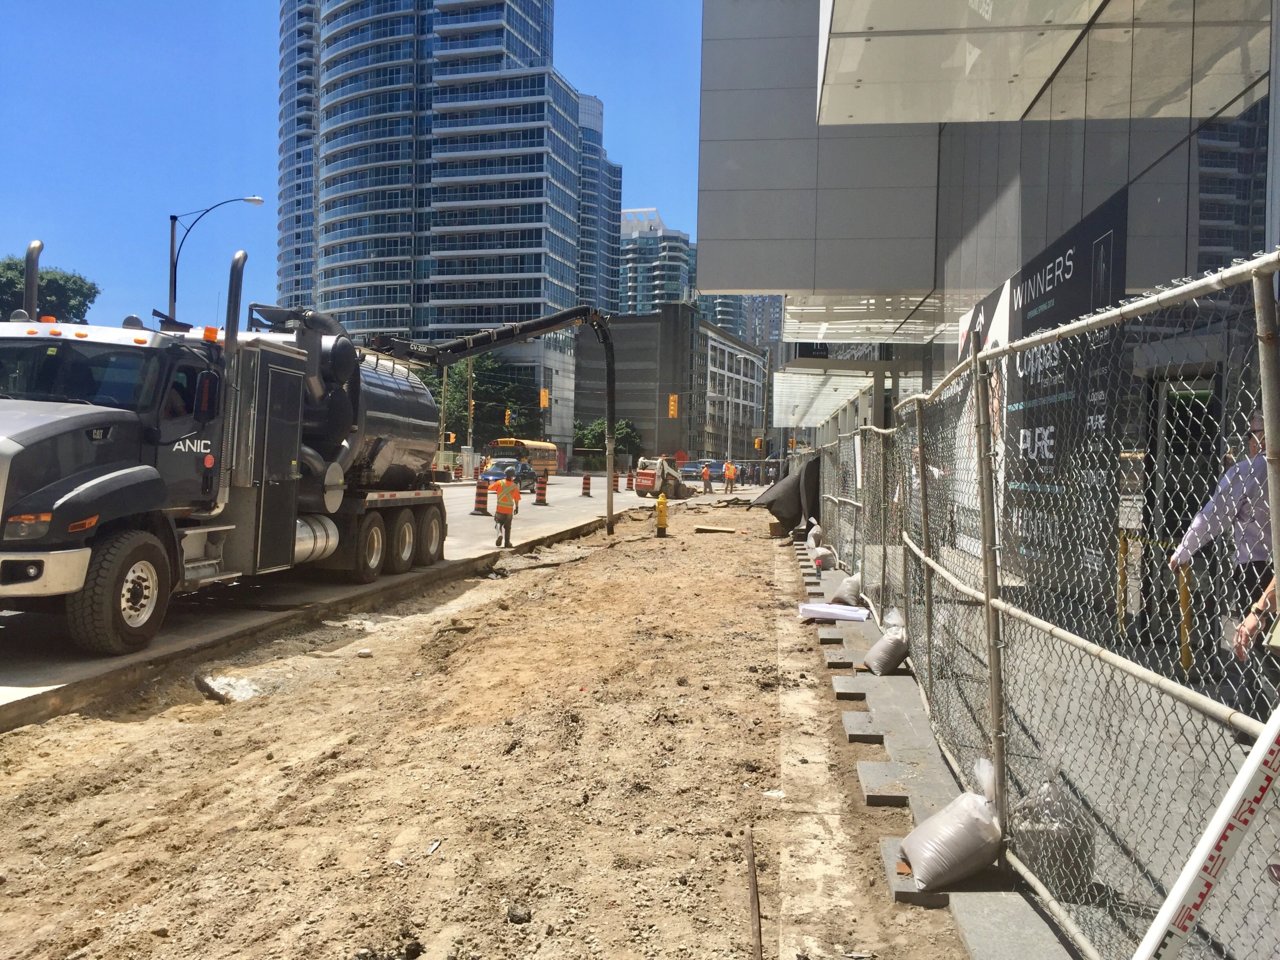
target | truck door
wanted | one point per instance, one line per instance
(278, 434)
(187, 449)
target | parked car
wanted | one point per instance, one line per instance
(692, 471)
(526, 478)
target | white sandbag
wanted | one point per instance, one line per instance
(889, 652)
(1054, 837)
(824, 558)
(956, 842)
(850, 591)
(893, 619)
(814, 539)
(832, 611)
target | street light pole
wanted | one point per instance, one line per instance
(175, 246)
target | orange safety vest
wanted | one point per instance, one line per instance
(508, 496)
(730, 471)
(706, 472)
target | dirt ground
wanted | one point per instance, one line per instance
(560, 760)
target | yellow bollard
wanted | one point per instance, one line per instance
(661, 513)
(1184, 627)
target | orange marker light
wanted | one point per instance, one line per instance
(88, 523)
(55, 332)
(211, 334)
(80, 334)
(32, 333)
(48, 319)
(142, 340)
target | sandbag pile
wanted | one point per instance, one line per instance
(891, 649)
(957, 841)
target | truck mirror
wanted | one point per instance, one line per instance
(206, 401)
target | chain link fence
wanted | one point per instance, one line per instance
(1094, 636)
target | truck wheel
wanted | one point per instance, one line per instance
(430, 536)
(402, 535)
(125, 595)
(371, 548)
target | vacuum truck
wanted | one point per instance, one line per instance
(137, 464)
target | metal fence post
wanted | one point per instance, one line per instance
(1264, 308)
(926, 543)
(884, 525)
(991, 583)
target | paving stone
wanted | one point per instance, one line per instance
(860, 727)
(884, 784)
(985, 919)
(829, 634)
(840, 658)
(849, 688)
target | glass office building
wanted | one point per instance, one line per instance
(600, 206)
(431, 165)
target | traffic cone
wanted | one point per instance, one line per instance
(540, 497)
(586, 484)
(482, 499)
(631, 479)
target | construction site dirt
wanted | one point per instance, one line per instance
(561, 759)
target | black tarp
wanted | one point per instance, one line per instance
(795, 497)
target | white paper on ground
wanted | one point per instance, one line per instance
(832, 611)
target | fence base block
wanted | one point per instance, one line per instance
(849, 688)
(884, 784)
(860, 727)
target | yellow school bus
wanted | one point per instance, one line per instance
(539, 454)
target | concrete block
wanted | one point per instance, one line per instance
(830, 634)
(985, 919)
(849, 688)
(860, 727)
(884, 784)
(902, 889)
(841, 658)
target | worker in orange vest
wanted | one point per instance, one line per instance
(508, 494)
(706, 478)
(730, 474)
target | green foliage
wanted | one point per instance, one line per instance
(497, 390)
(590, 436)
(67, 296)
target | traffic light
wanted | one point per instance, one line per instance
(791, 443)
(506, 417)
(450, 437)
(471, 407)
(673, 406)
(544, 398)
(759, 443)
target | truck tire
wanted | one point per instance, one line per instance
(125, 595)
(371, 549)
(402, 540)
(430, 536)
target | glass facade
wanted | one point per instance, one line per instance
(1163, 102)
(431, 166)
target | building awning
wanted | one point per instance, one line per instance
(924, 61)
(808, 398)
(862, 319)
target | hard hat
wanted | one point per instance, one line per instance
(511, 471)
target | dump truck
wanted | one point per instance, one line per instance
(657, 476)
(136, 464)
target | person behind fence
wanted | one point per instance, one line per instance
(508, 494)
(1238, 502)
(706, 478)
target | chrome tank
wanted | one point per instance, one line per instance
(401, 421)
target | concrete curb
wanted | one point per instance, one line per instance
(78, 694)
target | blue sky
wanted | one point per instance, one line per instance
(117, 115)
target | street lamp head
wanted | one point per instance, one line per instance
(255, 200)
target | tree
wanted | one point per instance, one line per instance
(498, 388)
(66, 296)
(626, 438)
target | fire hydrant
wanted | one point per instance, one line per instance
(661, 514)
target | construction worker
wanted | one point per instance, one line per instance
(706, 478)
(730, 474)
(508, 494)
